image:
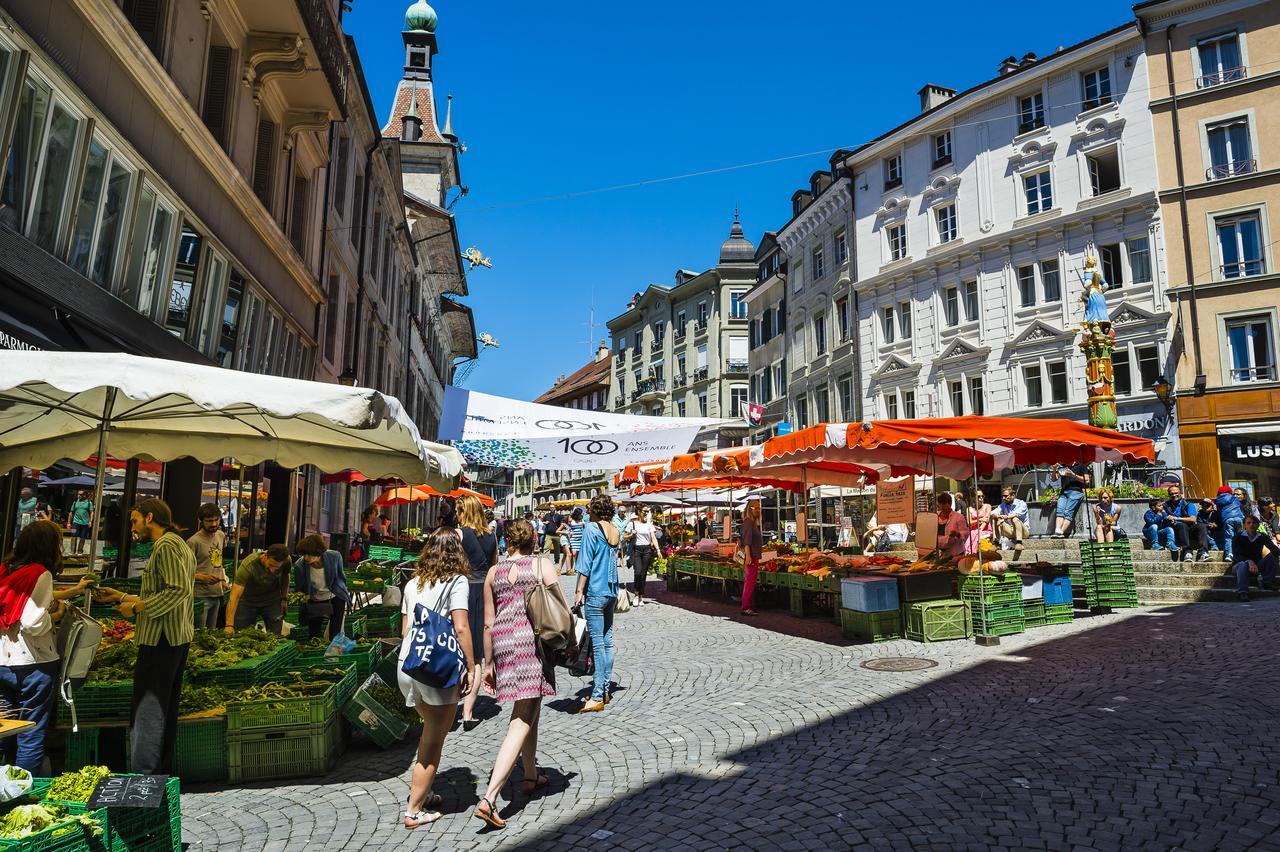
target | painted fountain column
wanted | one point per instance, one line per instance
(1097, 342)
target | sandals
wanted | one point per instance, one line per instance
(421, 818)
(489, 815)
(532, 785)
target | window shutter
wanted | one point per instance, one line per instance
(298, 215)
(217, 78)
(264, 157)
(146, 17)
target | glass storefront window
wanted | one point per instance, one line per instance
(1251, 462)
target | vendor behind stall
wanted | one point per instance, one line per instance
(953, 527)
(260, 588)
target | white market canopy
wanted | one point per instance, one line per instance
(492, 430)
(54, 405)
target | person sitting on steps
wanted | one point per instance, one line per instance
(1255, 553)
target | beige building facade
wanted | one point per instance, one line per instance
(1215, 103)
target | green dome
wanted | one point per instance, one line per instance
(421, 17)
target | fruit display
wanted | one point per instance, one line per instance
(115, 630)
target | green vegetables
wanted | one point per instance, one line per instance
(198, 699)
(114, 662)
(16, 773)
(213, 649)
(393, 700)
(298, 598)
(25, 820)
(77, 786)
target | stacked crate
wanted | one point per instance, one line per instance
(869, 609)
(1058, 605)
(1105, 576)
(995, 603)
(937, 621)
(1033, 612)
(285, 738)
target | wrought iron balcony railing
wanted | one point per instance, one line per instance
(1231, 169)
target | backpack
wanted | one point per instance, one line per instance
(78, 638)
(435, 658)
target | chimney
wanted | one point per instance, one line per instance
(1009, 63)
(931, 95)
(602, 354)
(1029, 58)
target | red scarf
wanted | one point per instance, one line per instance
(15, 590)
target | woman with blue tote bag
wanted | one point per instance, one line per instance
(435, 659)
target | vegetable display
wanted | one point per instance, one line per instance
(77, 786)
(199, 699)
(393, 700)
(213, 649)
(115, 630)
(25, 820)
(298, 598)
(114, 662)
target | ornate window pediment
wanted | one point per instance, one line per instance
(941, 188)
(894, 208)
(1032, 154)
(1040, 335)
(1127, 314)
(961, 351)
(894, 369)
(1099, 130)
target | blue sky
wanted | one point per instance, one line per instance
(567, 97)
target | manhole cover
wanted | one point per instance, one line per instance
(898, 664)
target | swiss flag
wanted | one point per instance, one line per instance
(752, 413)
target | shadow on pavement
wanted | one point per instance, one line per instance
(1148, 732)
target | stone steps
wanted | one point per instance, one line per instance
(1150, 596)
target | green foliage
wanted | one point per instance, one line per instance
(197, 699)
(114, 662)
(392, 699)
(1128, 489)
(213, 649)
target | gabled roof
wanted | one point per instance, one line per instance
(589, 377)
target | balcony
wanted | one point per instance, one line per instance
(700, 327)
(1030, 125)
(649, 389)
(656, 345)
(735, 366)
(1231, 169)
(1243, 269)
(680, 334)
(620, 401)
(1217, 78)
(700, 374)
(679, 381)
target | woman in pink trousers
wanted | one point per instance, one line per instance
(751, 542)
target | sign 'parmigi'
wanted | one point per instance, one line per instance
(492, 430)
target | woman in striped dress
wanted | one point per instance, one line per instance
(576, 526)
(512, 666)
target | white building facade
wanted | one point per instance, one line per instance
(973, 222)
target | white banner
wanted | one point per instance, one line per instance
(500, 432)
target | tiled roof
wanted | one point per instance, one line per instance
(426, 111)
(593, 373)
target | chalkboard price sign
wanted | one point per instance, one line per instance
(129, 791)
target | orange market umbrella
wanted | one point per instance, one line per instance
(417, 493)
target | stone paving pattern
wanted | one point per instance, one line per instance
(1145, 729)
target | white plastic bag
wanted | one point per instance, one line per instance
(14, 782)
(339, 646)
(391, 596)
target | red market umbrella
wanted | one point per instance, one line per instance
(417, 493)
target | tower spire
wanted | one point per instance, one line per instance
(448, 118)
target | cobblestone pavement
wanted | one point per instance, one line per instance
(1148, 729)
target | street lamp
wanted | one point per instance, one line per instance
(1164, 391)
(348, 378)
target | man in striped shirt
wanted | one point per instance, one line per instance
(164, 609)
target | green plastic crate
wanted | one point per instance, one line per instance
(344, 687)
(1000, 612)
(383, 552)
(303, 752)
(276, 713)
(1002, 628)
(380, 724)
(381, 620)
(80, 748)
(251, 671)
(871, 626)
(364, 656)
(200, 754)
(99, 702)
(937, 621)
(354, 626)
(148, 829)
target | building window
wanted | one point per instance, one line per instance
(891, 406)
(659, 371)
(897, 235)
(977, 402)
(951, 306)
(1049, 280)
(971, 301)
(215, 111)
(892, 172)
(100, 214)
(1026, 286)
(1230, 150)
(680, 365)
(1034, 389)
(802, 412)
(947, 227)
(781, 372)
(1058, 382)
(1140, 260)
(702, 357)
(212, 299)
(1096, 86)
(842, 246)
(819, 268)
(909, 404)
(1220, 60)
(820, 334)
(231, 319)
(264, 163)
(152, 242)
(1148, 365)
(702, 316)
(904, 320)
(147, 17)
(42, 162)
(886, 324)
(955, 390)
(298, 219)
(738, 305)
(842, 317)
(1240, 245)
(1253, 355)
(1104, 171)
(737, 399)
(682, 407)
(844, 387)
(1039, 192)
(682, 321)
(822, 402)
(942, 149)
(1030, 112)
(1112, 272)
(797, 275)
